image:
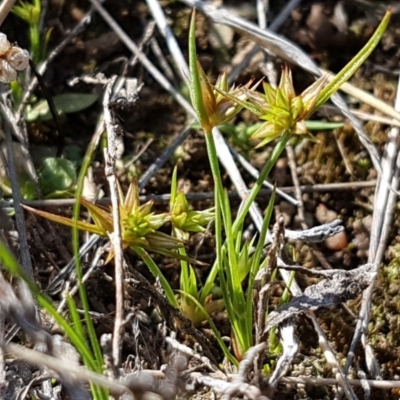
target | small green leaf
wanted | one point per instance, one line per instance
(56, 174)
(65, 104)
(323, 126)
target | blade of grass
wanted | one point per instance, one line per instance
(256, 261)
(12, 266)
(244, 209)
(153, 267)
(94, 343)
(218, 337)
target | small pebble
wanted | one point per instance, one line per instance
(324, 215)
(337, 242)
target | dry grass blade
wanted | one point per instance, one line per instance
(384, 202)
(366, 98)
(78, 374)
(378, 384)
(161, 198)
(15, 186)
(5, 8)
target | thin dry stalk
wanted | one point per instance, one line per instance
(128, 42)
(377, 384)
(173, 46)
(77, 374)
(383, 211)
(5, 8)
(116, 239)
(161, 198)
(300, 204)
(16, 194)
(361, 115)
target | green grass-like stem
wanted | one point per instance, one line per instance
(153, 267)
(94, 343)
(244, 209)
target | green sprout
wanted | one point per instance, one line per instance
(184, 221)
(140, 231)
(31, 13)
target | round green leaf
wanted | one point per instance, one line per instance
(65, 104)
(56, 174)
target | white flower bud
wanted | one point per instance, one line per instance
(18, 58)
(7, 72)
(4, 44)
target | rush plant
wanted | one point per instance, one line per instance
(284, 115)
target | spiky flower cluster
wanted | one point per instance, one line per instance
(282, 110)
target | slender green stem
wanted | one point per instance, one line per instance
(99, 393)
(157, 274)
(218, 190)
(280, 146)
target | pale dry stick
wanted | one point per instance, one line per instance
(363, 115)
(162, 61)
(160, 198)
(79, 374)
(173, 46)
(116, 238)
(382, 217)
(144, 40)
(15, 187)
(5, 9)
(166, 154)
(255, 48)
(43, 66)
(86, 276)
(342, 151)
(139, 154)
(262, 9)
(365, 97)
(284, 48)
(128, 42)
(377, 384)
